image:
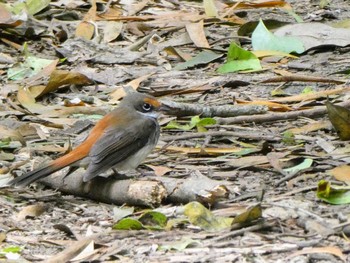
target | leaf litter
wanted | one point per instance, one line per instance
(278, 175)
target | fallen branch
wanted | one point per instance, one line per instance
(187, 109)
(149, 191)
(109, 190)
(270, 117)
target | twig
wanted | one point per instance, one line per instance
(250, 135)
(241, 231)
(302, 78)
(312, 113)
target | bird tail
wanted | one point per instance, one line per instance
(46, 170)
(34, 175)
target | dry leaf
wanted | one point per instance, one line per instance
(330, 250)
(314, 126)
(159, 170)
(86, 28)
(197, 35)
(312, 96)
(32, 211)
(341, 173)
(340, 118)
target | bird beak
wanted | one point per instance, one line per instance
(164, 108)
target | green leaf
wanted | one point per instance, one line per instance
(175, 125)
(31, 66)
(333, 195)
(308, 90)
(31, 6)
(239, 59)
(200, 216)
(202, 58)
(10, 253)
(196, 121)
(13, 249)
(302, 166)
(251, 214)
(128, 224)
(153, 220)
(263, 39)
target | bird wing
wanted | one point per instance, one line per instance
(117, 144)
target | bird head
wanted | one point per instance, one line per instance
(145, 104)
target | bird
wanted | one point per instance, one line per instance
(121, 140)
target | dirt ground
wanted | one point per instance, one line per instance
(296, 226)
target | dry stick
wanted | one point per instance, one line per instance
(186, 109)
(303, 79)
(245, 135)
(242, 231)
(312, 113)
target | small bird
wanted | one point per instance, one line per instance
(121, 140)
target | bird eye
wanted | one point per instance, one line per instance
(147, 106)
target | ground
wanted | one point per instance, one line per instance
(295, 226)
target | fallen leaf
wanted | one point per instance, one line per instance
(316, 35)
(340, 118)
(263, 39)
(251, 214)
(200, 216)
(31, 211)
(71, 251)
(305, 164)
(312, 96)
(197, 35)
(180, 245)
(210, 8)
(333, 195)
(239, 59)
(336, 251)
(121, 212)
(159, 170)
(341, 173)
(202, 58)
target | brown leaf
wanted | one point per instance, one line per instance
(72, 251)
(312, 96)
(314, 126)
(6, 132)
(341, 173)
(218, 193)
(86, 28)
(340, 118)
(27, 100)
(197, 35)
(330, 250)
(31, 211)
(59, 78)
(159, 170)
